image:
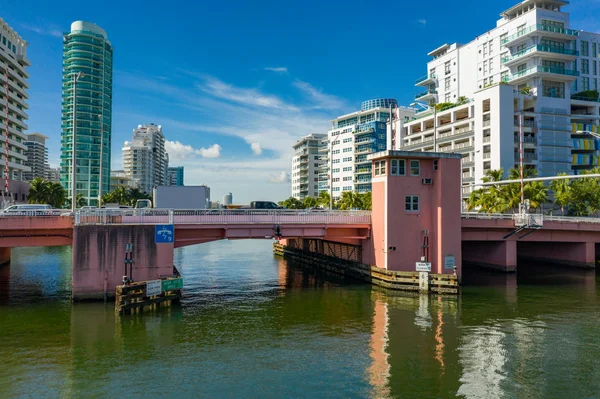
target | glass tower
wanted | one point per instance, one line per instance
(87, 50)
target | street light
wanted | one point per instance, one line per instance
(74, 162)
(331, 175)
(428, 107)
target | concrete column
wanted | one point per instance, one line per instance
(99, 254)
(4, 255)
(500, 255)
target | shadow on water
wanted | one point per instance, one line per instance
(251, 325)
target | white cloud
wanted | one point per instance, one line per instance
(319, 99)
(256, 148)
(181, 152)
(251, 97)
(280, 70)
(422, 21)
(281, 177)
(42, 30)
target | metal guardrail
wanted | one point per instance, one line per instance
(34, 213)
(219, 216)
(530, 219)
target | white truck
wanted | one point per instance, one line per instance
(178, 197)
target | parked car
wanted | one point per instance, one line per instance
(264, 205)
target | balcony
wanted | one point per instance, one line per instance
(561, 74)
(362, 171)
(426, 95)
(546, 30)
(558, 53)
(426, 80)
(528, 157)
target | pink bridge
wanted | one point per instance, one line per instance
(99, 238)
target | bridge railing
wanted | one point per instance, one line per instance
(219, 216)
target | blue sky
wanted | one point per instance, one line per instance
(235, 84)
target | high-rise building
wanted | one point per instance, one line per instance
(144, 158)
(352, 138)
(175, 176)
(530, 74)
(228, 199)
(87, 51)
(37, 156)
(53, 174)
(118, 178)
(305, 166)
(13, 61)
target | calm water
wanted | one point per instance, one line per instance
(251, 325)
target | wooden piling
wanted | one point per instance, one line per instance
(133, 297)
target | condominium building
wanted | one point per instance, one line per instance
(13, 64)
(228, 199)
(118, 178)
(530, 74)
(175, 176)
(144, 158)
(87, 63)
(53, 175)
(37, 156)
(351, 139)
(305, 166)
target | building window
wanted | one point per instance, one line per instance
(585, 67)
(585, 48)
(398, 167)
(585, 83)
(594, 52)
(447, 67)
(379, 168)
(415, 168)
(504, 76)
(435, 164)
(553, 89)
(447, 97)
(411, 203)
(594, 68)
(447, 83)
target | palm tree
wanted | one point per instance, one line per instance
(81, 201)
(563, 195)
(38, 191)
(350, 200)
(366, 201)
(323, 199)
(490, 199)
(57, 195)
(310, 202)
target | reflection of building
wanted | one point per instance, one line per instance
(87, 50)
(379, 371)
(13, 55)
(175, 176)
(228, 199)
(144, 158)
(37, 156)
(305, 166)
(118, 178)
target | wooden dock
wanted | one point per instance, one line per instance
(134, 297)
(393, 280)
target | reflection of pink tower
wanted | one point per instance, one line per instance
(6, 147)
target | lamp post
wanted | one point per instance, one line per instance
(74, 162)
(331, 176)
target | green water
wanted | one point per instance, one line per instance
(253, 326)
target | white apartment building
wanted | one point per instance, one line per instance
(530, 72)
(305, 166)
(144, 158)
(351, 139)
(13, 61)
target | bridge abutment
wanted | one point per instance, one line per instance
(99, 258)
(499, 255)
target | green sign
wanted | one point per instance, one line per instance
(173, 284)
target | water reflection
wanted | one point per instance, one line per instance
(251, 325)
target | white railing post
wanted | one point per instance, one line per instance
(171, 217)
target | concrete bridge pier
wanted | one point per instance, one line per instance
(500, 255)
(4, 255)
(99, 258)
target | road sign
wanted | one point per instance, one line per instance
(153, 287)
(449, 262)
(164, 233)
(423, 266)
(172, 284)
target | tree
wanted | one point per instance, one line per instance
(323, 199)
(563, 194)
(490, 199)
(310, 202)
(366, 201)
(350, 200)
(45, 192)
(124, 196)
(81, 201)
(292, 203)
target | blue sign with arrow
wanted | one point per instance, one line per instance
(164, 233)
